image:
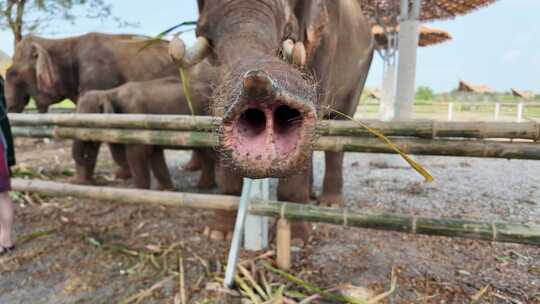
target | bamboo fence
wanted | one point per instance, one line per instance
(184, 139)
(493, 231)
(422, 129)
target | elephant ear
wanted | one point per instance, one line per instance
(312, 21)
(46, 72)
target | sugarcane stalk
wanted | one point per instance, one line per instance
(416, 128)
(181, 139)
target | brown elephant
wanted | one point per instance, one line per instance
(51, 70)
(270, 105)
(161, 96)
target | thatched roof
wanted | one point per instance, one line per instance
(469, 87)
(523, 94)
(428, 35)
(431, 9)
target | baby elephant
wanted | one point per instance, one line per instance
(160, 96)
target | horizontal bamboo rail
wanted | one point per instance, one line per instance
(418, 146)
(420, 128)
(495, 231)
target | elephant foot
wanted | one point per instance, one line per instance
(122, 173)
(194, 164)
(82, 181)
(221, 226)
(331, 200)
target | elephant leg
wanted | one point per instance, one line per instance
(333, 180)
(195, 163)
(221, 225)
(160, 169)
(296, 189)
(207, 159)
(137, 157)
(85, 156)
(118, 153)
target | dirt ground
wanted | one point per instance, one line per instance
(80, 251)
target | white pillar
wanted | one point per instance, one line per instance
(406, 74)
(497, 110)
(450, 111)
(256, 227)
(520, 112)
(386, 109)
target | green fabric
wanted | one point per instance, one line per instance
(5, 126)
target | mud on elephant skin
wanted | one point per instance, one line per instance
(160, 96)
(283, 64)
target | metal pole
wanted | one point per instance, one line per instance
(238, 232)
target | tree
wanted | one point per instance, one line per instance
(424, 93)
(29, 16)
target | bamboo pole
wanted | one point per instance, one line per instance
(118, 121)
(417, 128)
(418, 146)
(130, 196)
(494, 231)
(127, 136)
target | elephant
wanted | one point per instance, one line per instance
(284, 64)
(159, 96)
(51, 70)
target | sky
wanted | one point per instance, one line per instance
(498, 46)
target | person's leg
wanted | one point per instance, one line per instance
(6, 221)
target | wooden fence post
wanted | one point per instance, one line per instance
(520, 112)
(283, 240)
(450, 111)
(497, 110)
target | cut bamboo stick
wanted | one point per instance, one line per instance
(420, 128)
(417, 146)
(283, 244)
(494, 231)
